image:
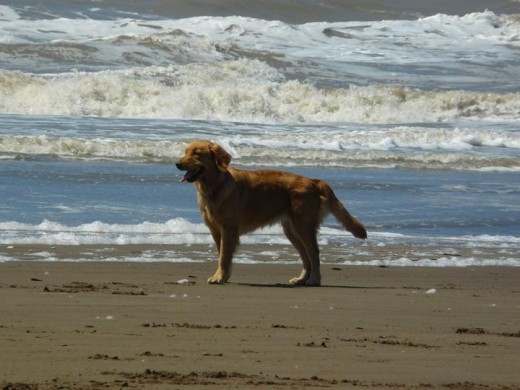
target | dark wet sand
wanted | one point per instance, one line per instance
(132, 325)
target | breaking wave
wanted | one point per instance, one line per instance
(405, 147)
(239, 91)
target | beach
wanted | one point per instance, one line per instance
(409, 111)
(159, 325)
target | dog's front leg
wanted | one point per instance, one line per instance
(228, 244)
(215, 233)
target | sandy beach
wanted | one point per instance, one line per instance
(409, 110)
(90, 325)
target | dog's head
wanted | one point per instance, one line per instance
(202, 157)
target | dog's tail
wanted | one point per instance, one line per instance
(349, 222)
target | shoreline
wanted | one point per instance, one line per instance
(350, 253)
(89, 325)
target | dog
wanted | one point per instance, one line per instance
(234, 202)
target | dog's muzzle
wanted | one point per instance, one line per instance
(192, 174)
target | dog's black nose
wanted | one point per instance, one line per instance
(179, 165)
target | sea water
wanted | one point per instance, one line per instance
(411, 115)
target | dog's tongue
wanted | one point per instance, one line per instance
(186, 177)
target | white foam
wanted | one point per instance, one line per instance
(471, 34)
(8, 14)
(478, 37)
(486, 239)
(212, 86)
(484, 27)
(440, 262)
(240, 91)
(182, 231)
(473, 241)
(53, 233)
(107, 148)
(427, 148)
(174, 231)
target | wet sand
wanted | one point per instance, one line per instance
(160, 326)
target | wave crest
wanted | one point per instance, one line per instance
(238, 91)
(411, 148)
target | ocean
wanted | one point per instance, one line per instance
(410, 111)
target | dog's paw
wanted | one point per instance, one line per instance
(219, 278)
(305, 281)
(298, 281)
(213, 280)
(313, 282)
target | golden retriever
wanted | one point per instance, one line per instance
(234, 202)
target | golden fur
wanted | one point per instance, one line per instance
(234, 202)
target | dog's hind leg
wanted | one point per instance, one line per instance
(302, 234)
(307, 235)
(295, 241)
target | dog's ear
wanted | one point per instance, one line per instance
(222, 158)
